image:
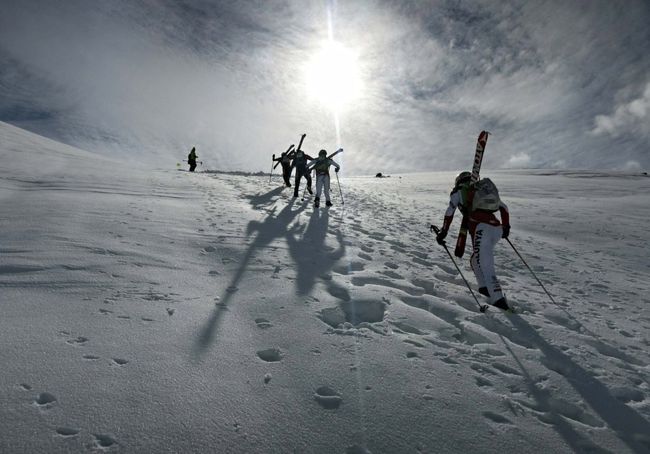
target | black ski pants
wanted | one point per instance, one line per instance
(286, 174)
(299, 175)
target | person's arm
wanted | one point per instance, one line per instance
(505, 219)
(454, 201)
(311, 166)
(338, 167)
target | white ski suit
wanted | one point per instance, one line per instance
(486, 231)
(323, 176)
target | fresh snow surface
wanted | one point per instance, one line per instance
(157, 311)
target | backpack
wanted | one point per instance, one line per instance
(486, 196)
(322, 166)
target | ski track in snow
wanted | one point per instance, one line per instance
(367, 278)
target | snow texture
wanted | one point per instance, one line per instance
(153, 310)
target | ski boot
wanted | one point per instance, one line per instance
(501, 304)
(328, 203)
(316, 202)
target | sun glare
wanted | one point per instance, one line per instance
(333, 77)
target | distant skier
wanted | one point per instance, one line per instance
(300, 161)
(480, 201)
(191, 159)
(285, 161)
(322, 166)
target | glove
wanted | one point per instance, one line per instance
(336, 170)
(506, 231)
(440, 237)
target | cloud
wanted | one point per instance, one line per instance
(518, 161)
(631, 117)
(152, 78)
(630, 166)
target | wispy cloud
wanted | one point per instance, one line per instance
(551, 80)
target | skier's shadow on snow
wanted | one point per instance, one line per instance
(313, 258)
(264, 200)
(631, 428)
(274, 226)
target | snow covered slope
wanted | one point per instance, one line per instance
(163, 311)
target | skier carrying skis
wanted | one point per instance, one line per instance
(285, 161)
(300, 163)
(480, 201)
(322, 165)
(191, 159)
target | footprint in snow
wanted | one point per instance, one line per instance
(120, 361)
(78, 341)
(67, 432)
(328, 398)
(263, 323)
(506, 369)
(104, 441)
(482, 382)
(270, 355)
(45, 400)
(496, 418)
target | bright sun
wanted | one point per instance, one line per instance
(333, 77)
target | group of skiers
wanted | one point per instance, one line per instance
(304, 164)
(477, 200)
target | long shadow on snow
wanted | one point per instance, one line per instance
(312, 258)
(632, 428)
(273, 227)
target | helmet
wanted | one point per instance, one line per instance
(322, 153)
(300, 153)
(462, 178)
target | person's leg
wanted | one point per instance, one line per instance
(319, 188)
(326, 184)
(296, 184)
(485, 238)
(473, 262)
(286, 175)
(308, 177)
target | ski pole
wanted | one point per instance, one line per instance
(436, 230)
(272, 161)
(529, 269)
(339, 184)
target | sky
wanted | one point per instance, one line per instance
(558, 84)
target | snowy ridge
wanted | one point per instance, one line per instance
(163, 311)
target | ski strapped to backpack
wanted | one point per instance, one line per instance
(309, 169)
(476, 168)
(288, 151)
